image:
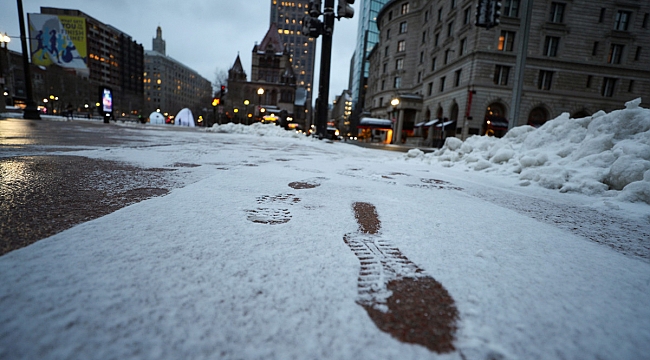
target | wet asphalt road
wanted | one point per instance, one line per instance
(43, 191)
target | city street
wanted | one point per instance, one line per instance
(141, 241)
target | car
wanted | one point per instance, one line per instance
(333, 133)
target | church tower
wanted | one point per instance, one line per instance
(158, 44)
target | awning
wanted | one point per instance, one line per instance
(419, 124)
(430, 122)
(375, 123)
(446, 123)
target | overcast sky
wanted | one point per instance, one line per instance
(205, 35)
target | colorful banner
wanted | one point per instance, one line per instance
(58, 40)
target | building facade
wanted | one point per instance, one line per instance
(272, 89)
(287, 17)
(114, 60)
(582, 56)
(171, 86)
(367, 38)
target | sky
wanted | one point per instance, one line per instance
(540, 239)
(205, 35)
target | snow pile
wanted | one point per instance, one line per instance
(604, 154)
(254, 129)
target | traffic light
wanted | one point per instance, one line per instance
(223, 90)
(314, 8)
(495, 12)
(311, 27)
(216, 101)
(345, 9)
(482, 13)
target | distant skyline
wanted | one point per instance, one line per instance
(204, 35)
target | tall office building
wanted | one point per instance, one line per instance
(367, 37)
(287, 16)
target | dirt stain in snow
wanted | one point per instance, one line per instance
(419, 309)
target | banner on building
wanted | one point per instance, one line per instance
(58, 40)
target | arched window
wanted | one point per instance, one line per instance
(537, 117)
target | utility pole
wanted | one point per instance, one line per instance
(522, 52)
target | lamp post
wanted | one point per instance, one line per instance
(4, 40)
(260, 92)
(398, 131)
(31, 111)
(246, 102)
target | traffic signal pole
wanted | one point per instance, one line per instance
(325, 68)
(522, 52)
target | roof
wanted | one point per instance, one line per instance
(271, 41)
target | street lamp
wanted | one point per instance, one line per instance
(260, 92)
(246, 102)
(398, 131)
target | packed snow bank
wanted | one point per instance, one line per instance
(254, 129)
(605, 154)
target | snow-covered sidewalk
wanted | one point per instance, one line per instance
(240, 265)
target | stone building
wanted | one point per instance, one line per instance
(171, 86)
(582, 56)
(272, 88)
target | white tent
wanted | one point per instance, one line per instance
(156, 118)
(184, 118)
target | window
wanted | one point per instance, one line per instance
(442, 84)
(511, 8)
(426, 16)
(463, 46)
(381, 101)
(467, 16)
(550, 46)
(608, 87)
(384, 69)
(615, 53)
(501, 74)
(405, 8)
(424, 37)
(421, 57)
(433, 64)
(506, 40)
(387, 34)
(450, 29)
(545, 79)
(386, 51)
(419, 77)
(397, 82)
(439, 14)
(602, 15)
(457, 77)
(447, 56)
(589, 78)
(557, 12)
(399, 64)
(402, 27)
(645, 21)
(594, 51)
(390, 15)
(630, 87)
(622, 20)
(401, 46)
(453, 4)
(430, 89)
(383, 84)
(637, 54)
(436, 39)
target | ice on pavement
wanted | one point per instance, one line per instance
(190, 276)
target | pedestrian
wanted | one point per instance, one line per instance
(70, 111)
